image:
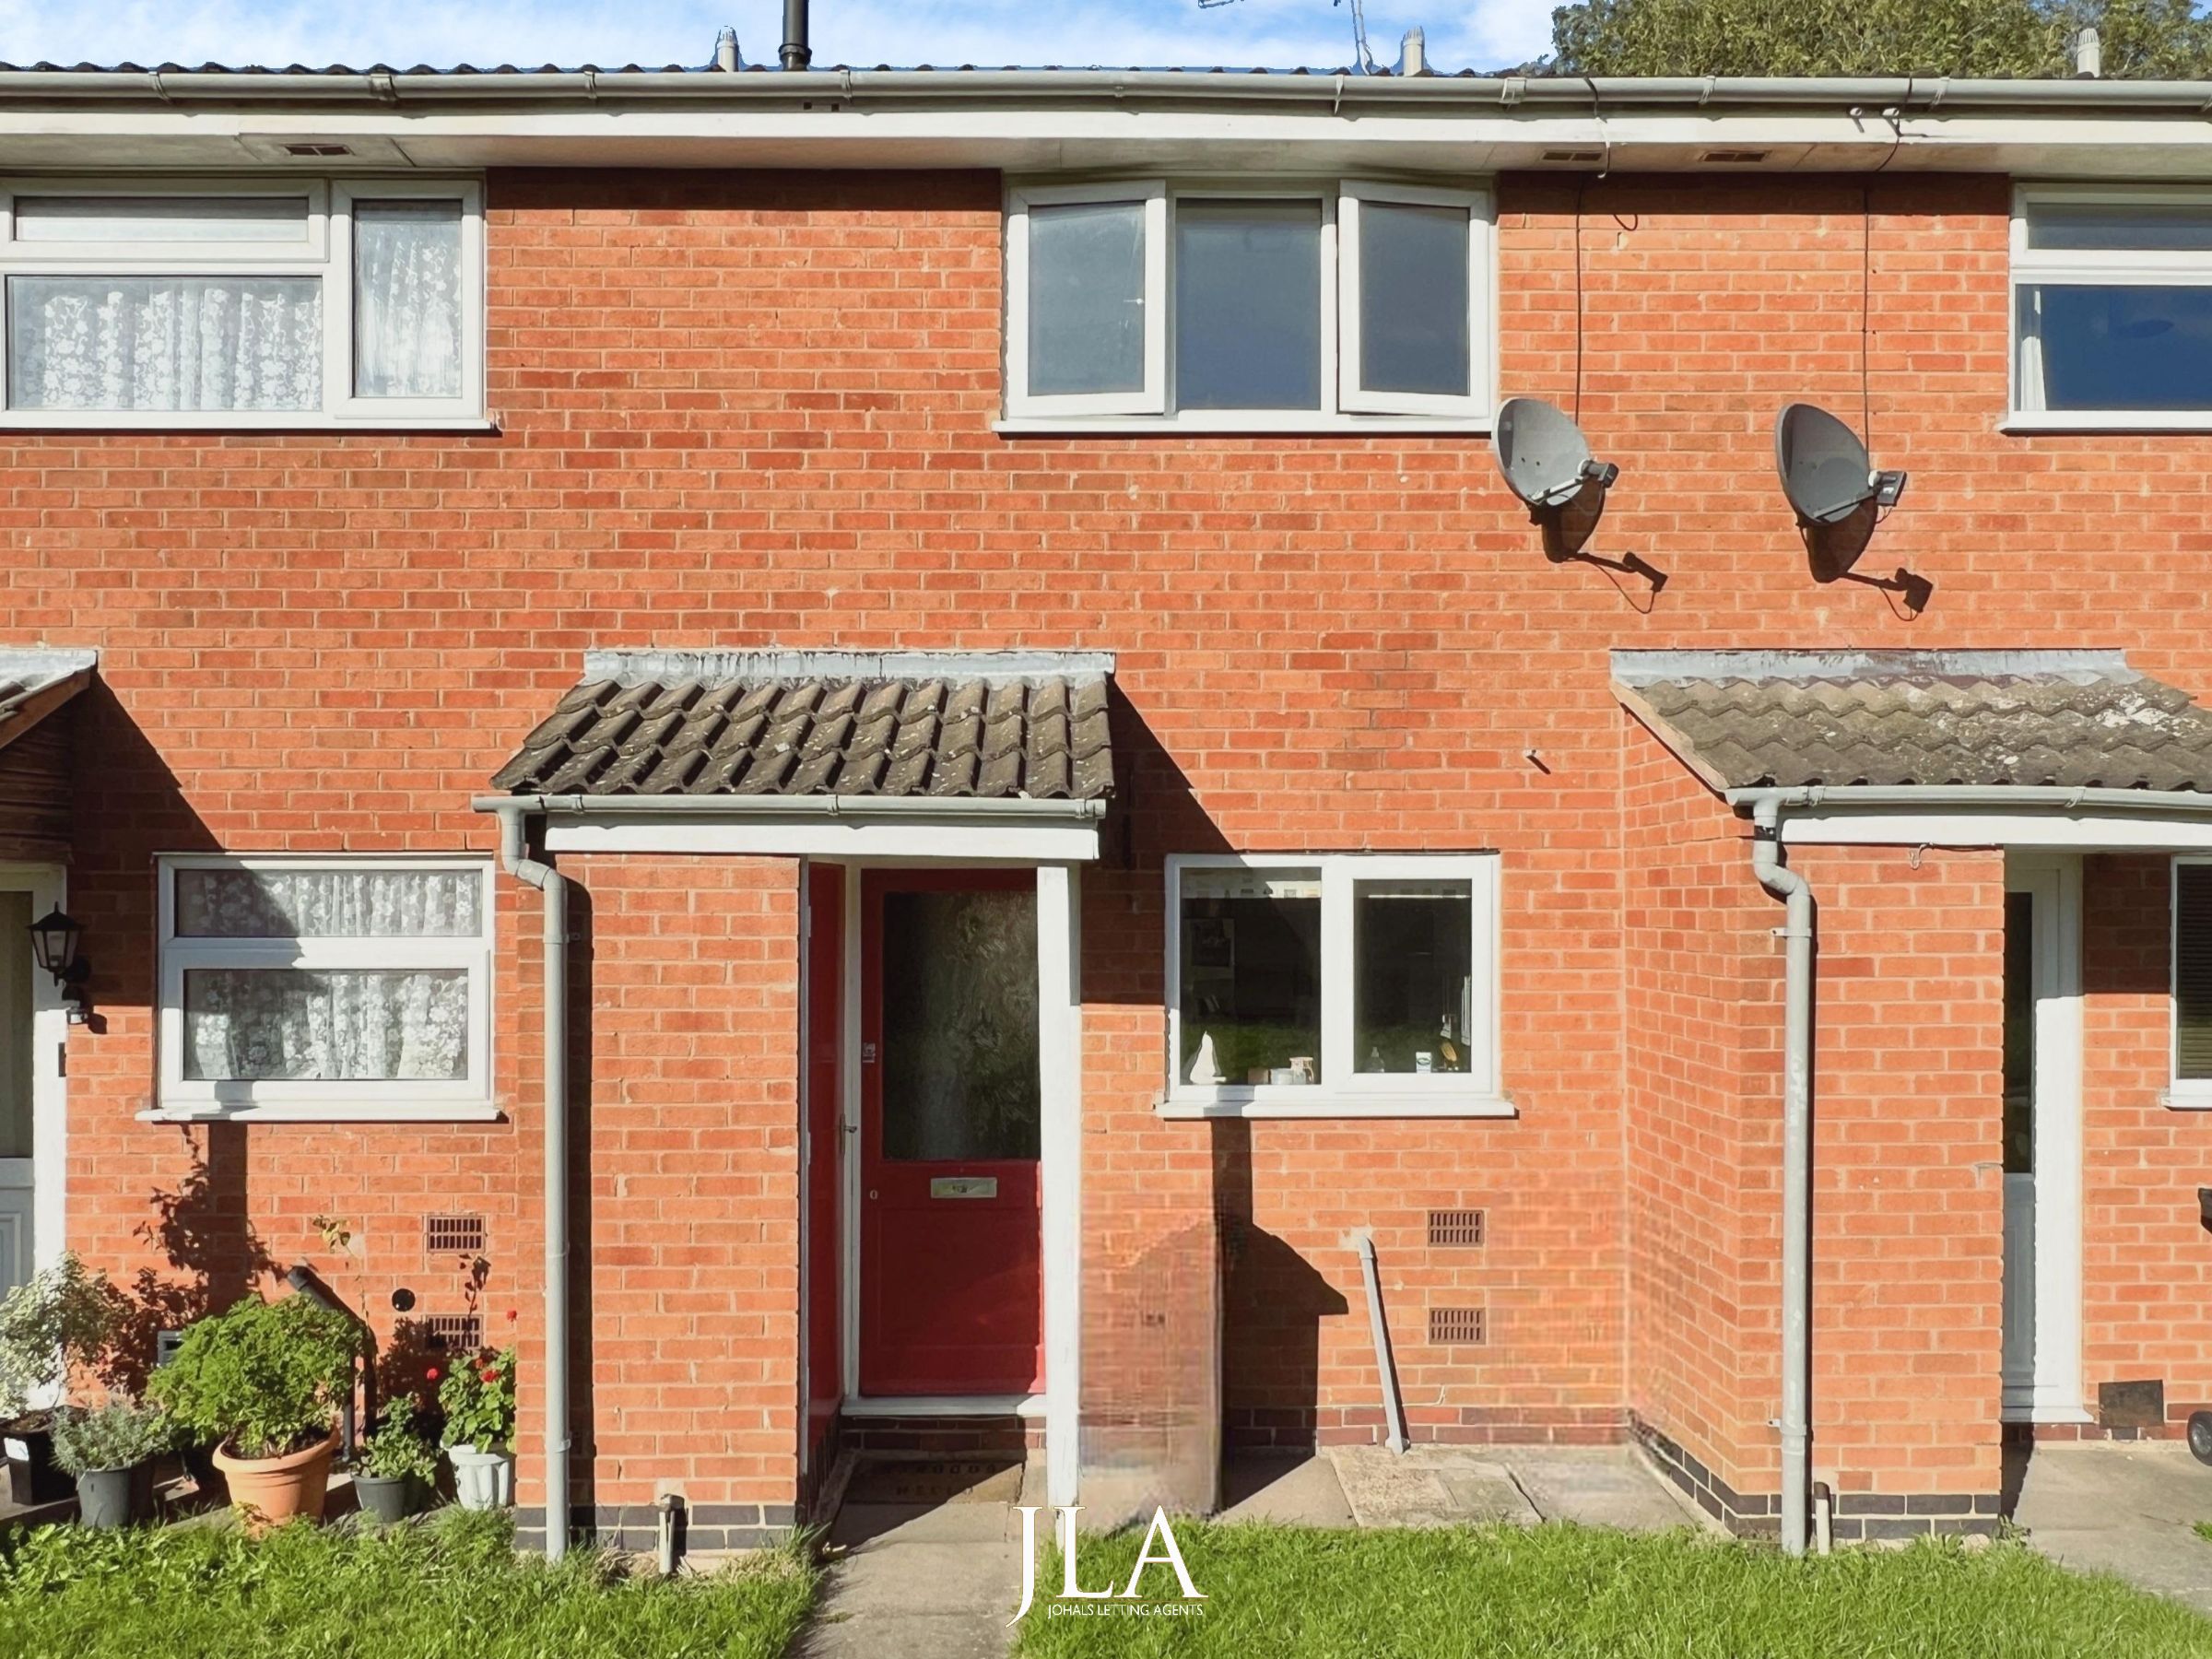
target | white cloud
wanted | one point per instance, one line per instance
(1274, 34)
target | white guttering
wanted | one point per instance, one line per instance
(2002, 798)
(835, 89)
(939, 808)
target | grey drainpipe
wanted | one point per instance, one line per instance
(1797, 930)
(514, 853)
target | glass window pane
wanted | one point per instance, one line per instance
(1413, 298)
(16, 969)
(329, 904)
(1087, 298)
(326, 1026)
(2116, 347)
(959, 1026)
(163, 343)
(1247, 305)
(2170, 226)
(1413, 974)
(1250, 977)
(407, 299)
(2193, 972)
(255, 218)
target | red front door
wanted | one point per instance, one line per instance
(951, 1260)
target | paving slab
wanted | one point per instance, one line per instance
(2120, 1507)
(1293, 1488)
(1428, 1485)
(1602, 1485)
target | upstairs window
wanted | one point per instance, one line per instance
(2112, 307)
(1247, 308)
(269, 303)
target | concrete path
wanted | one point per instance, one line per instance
(2123, 1507)
(1454, 1486)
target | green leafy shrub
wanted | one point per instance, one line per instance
(396, 1450)
(121, 1434)
(478, 1398)
(56, 1327)
(266, 1377)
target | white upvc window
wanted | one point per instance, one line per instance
(319, 987)
(1332, 985)
(1247, 306)
(2112, 307)
(260, 302)
(2191, 963)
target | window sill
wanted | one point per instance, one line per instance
(1450, 1104)
(169, 421)
(2150, 422)
(321, 1111)
(2192, 1098)
(1230, 423)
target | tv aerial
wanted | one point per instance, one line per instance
(1838, 498)
(1546, 462)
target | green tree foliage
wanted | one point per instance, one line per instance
(1996, 39)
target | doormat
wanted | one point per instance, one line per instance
(938, 1480)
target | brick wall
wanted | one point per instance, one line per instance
(751, 408)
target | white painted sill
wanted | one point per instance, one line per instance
(2148, 421)
(307, 1112)
(168, 421)
(1450, 1103)
(2187, 1097)
(1225, 423)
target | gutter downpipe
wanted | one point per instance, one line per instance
(514, 853)
(1797, 931)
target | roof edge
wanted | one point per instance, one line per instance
(649, 666)
(1640, 667)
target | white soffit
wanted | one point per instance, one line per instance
(2075, 831)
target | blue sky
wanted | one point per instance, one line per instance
(1462, 33)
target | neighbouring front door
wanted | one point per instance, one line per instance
(18, 1195)
(2040, 1346)
(951, 1259)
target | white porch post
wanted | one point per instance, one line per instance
(1060, 1069)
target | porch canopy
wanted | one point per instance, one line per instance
(970, 755)
(2056, 748)
(36, 749)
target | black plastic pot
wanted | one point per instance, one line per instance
(31, 1475)
(111, 1498)
(389, 1498)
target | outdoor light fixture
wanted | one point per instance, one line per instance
(54, 939)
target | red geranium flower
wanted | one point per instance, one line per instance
(429, 1374)
(492, 1373)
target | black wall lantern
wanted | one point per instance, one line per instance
(54, 939)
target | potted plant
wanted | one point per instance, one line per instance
(59, 1325)
(478, 1398)
(395, 1465)
(264, 1380)
(109, 1449)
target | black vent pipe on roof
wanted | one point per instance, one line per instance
(795, 52)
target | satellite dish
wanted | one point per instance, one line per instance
(1543, 455)
(1824, 467)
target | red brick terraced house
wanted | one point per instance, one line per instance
(875, 756)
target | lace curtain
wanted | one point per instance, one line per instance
(131, 343)
(332, 1025)
(329, 904)
(407, 314)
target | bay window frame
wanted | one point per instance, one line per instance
(309, 1100)
(1481, 397)
(1342, 1091)
(1152, 398)
(324, 251)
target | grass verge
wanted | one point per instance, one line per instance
(448, 1588)
(1573, 1593)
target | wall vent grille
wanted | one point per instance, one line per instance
(453, 1235)
(1455, 1228)
(455, 1333)
(1458, 1325)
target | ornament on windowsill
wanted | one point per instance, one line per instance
(1206, 1071)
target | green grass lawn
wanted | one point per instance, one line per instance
(451, 1588)
(1563, 1593)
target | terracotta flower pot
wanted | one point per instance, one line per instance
(274, 1490)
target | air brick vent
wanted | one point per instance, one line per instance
(453, 1235)
(1462, 1325)
(1455, 1228)
(455, 1333)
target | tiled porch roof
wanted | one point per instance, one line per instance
(33, 683)
(2073, 718)
(980, 725)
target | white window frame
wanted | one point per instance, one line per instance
(2137, 268)
(2182, 1093)
(1344, 405)
(1342, 1092)
(324, 251)
(1481, 262)
(406, 1098)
